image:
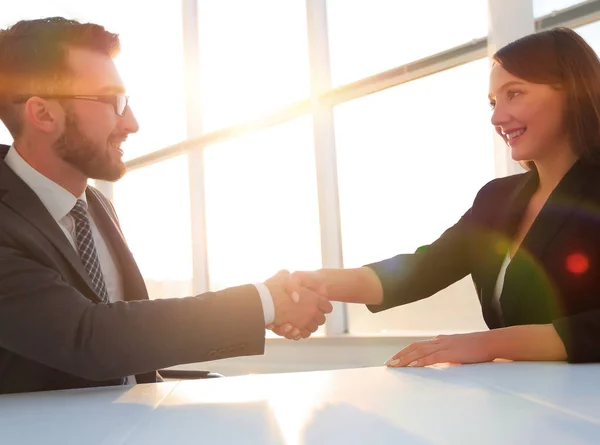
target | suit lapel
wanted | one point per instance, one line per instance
(510, 217)
(559, 207)
(516, 205)
(497, 236)
(523, 273)
(19, 197)
(134, 286)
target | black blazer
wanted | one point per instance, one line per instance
(554, 276)
(55, 335)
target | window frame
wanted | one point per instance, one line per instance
(320, 105)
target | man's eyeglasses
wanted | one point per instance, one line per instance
(118, 101)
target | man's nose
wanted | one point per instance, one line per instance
(129, 123)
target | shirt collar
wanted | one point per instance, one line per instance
(57, 200)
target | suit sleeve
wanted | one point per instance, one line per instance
(580, 334)
(45, 319)
(407, 278)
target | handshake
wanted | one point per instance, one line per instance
(300, 303)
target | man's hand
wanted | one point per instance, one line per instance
(313, 280)
(299, 311)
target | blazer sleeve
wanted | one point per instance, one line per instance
(580, 334)
(46, 320)
(407, 278)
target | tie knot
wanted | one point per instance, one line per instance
(79, 211)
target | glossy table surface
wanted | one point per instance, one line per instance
(493, 403)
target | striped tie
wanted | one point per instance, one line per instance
(87, 249)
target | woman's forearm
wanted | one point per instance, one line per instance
(527, 343)
(359, 285)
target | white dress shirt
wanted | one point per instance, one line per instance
(500, 283)
(59, 202)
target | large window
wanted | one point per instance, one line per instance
(545, 7)
(261, 205)
(410, 158)
(5, 137)
(410, 161)
(150, 63)
(254, 58)
(153, 204)
(591, 34)
(369, 36)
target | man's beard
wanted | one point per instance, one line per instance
(93, 160)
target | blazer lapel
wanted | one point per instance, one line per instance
(134, 286)
(524, 273)
(510, 217)
(19, 197)
(559, 207)
(516, 205)
(498, 237)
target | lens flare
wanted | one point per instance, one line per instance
(577, 263)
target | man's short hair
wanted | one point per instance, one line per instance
(33, 59)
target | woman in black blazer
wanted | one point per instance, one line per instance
(531, 242)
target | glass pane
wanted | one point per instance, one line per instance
(369, 36)
(545, 7)
(591, 34)
(5, 137)
(150, 63)
(261, 205)
(410, 161)
(254, 58)
(153, 204)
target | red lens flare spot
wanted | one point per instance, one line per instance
(577, 263)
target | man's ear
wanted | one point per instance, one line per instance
(44, 116)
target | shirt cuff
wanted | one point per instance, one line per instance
(267, 302)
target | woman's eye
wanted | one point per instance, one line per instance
(492, 105)
(513, 94)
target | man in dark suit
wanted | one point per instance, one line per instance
(74, 310)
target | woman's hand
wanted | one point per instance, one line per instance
(460, 348)
(528, 343)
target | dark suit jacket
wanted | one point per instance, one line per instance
(554, 276)
(55, 335)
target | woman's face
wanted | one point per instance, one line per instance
(528, 116)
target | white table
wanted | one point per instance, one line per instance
(494, 403)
